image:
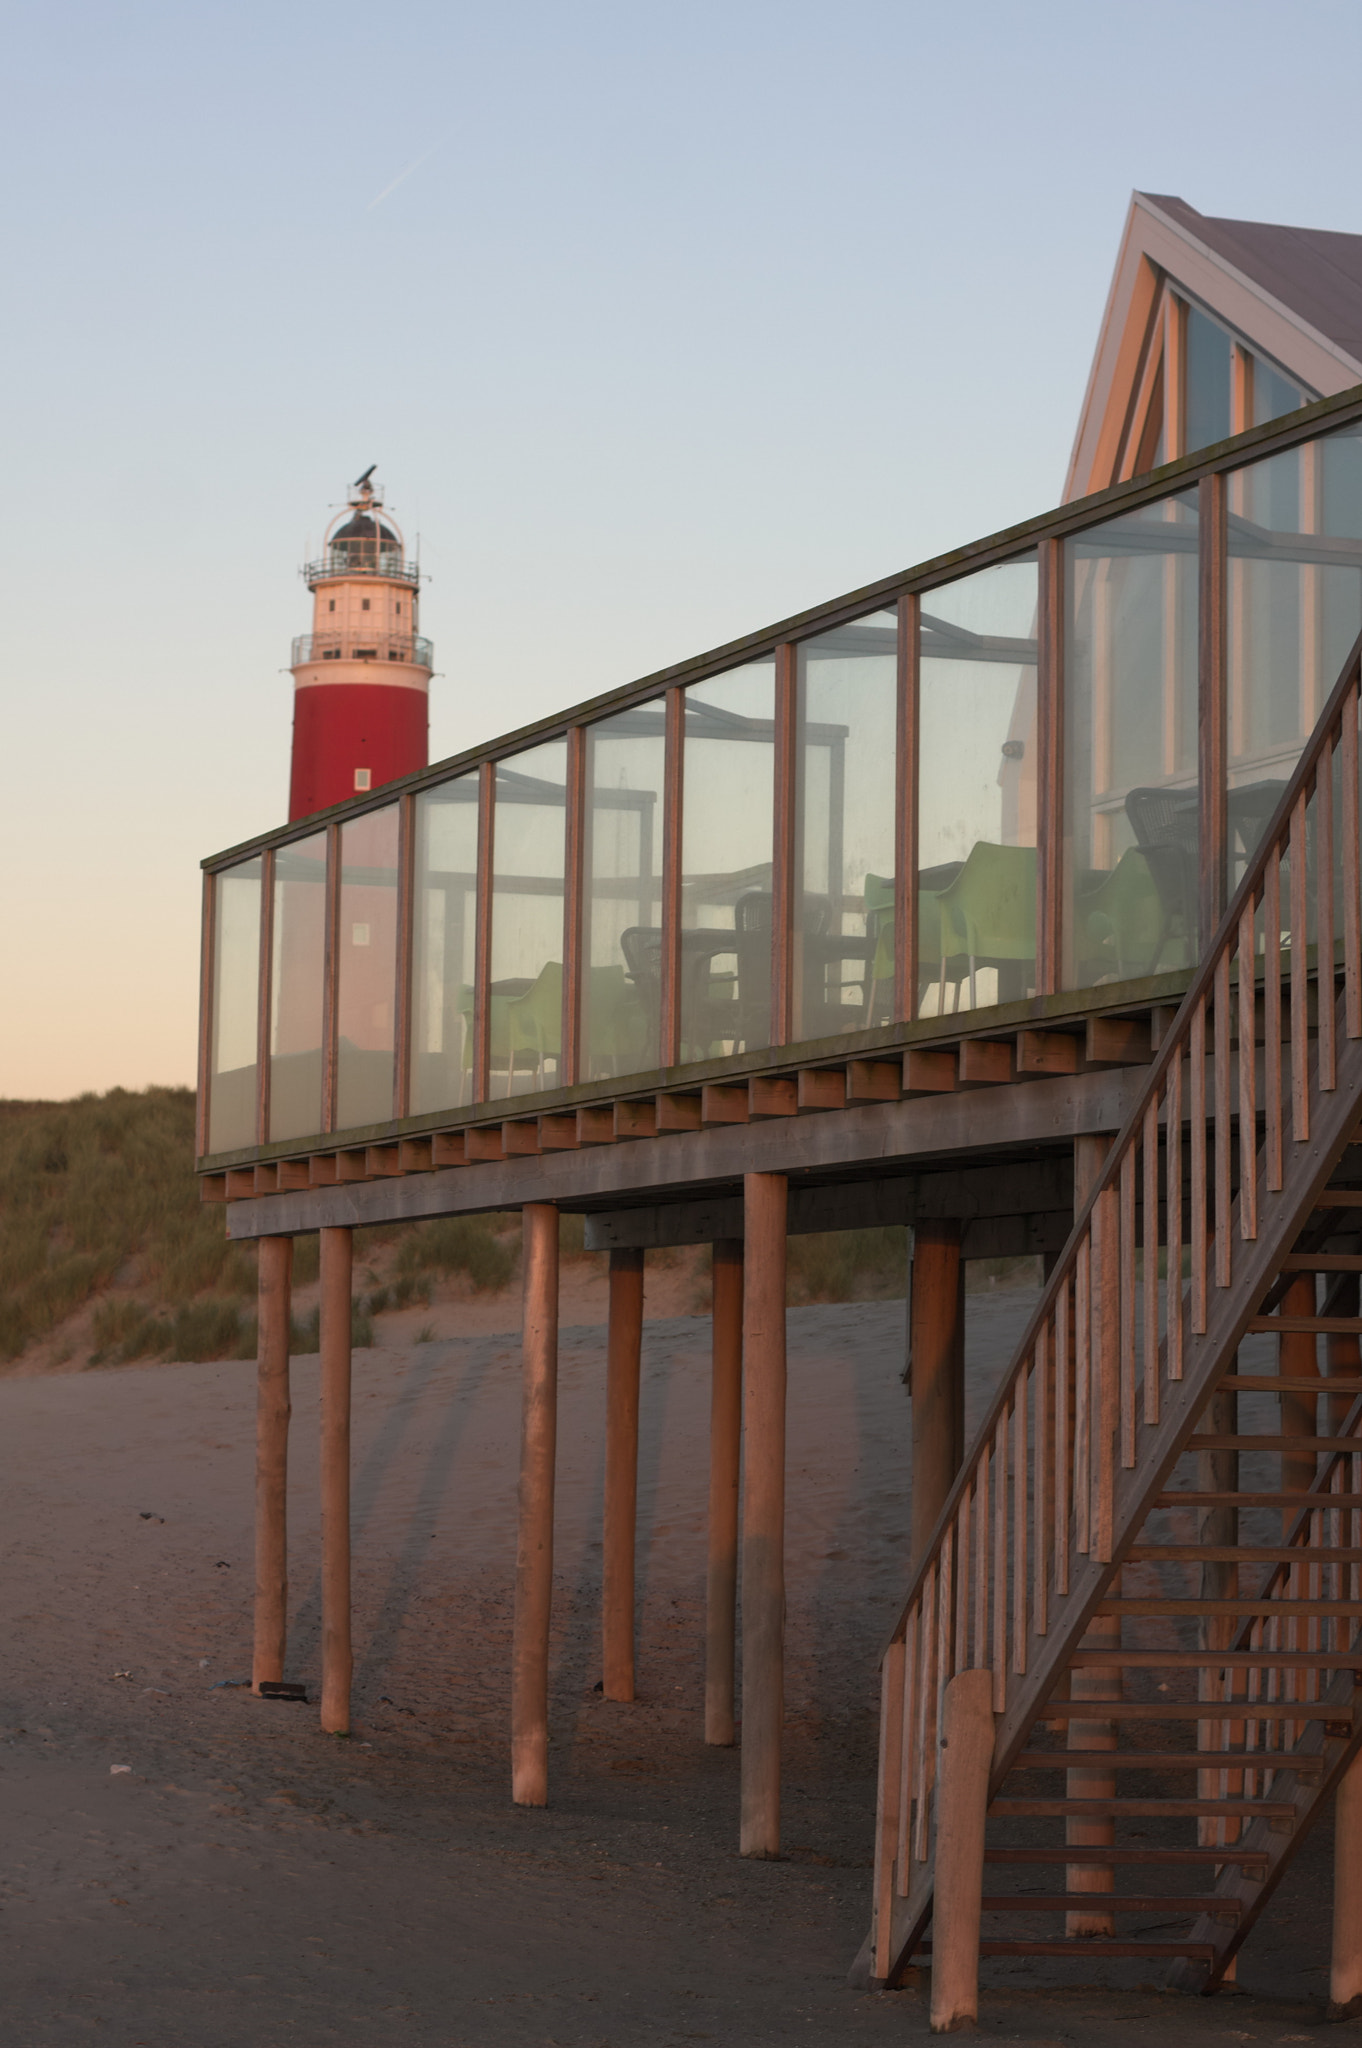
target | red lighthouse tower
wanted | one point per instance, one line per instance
(361, 677)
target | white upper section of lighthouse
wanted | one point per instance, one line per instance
(365, 600)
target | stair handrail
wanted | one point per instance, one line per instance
(1078, 1363)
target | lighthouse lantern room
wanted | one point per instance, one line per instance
(361, 677)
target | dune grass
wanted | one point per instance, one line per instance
(99, 1204)
(100, 1192)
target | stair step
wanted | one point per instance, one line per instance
(1248, 1859)
(1169, 1759)
(1285, 1383)
(1194, 1710)
(1298, 1499)
(1303, 1326)
(1218, 1660)
(1322, 1262)
(1144, 1809)
(1340, 1198)
(1099, 1945)
(1114, 1902)
(1237, 1553)
(1278, 1443)
(1189, 1610)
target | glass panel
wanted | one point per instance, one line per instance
(1273, 394)
(527, 920)
(621, 993)
(1208, 381)
(444, 929)
(976, 907)
(726, 841)
(296, 988)
(1295, 608)
(844, 922)
(1130, 762)
(233, 1062)
(366, 954)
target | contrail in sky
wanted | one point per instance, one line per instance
(400, 179)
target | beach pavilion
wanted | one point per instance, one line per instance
(1015, 898)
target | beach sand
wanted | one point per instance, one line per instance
(248, 1880)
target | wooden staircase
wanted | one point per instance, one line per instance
(1155, 1544)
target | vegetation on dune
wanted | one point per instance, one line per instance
(99, 1205)
(98, 1192)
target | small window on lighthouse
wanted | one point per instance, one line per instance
(399, 611)
(362, 778)
(359, 934)
(364, 604)
(332, 605)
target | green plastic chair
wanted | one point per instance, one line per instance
(988, 913)
(1123, 926)
(879, 928)
(617, 1024)
(534, 1024)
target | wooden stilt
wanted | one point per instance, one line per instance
(623, 1353)
(1218, 1472)
(961, 1804)
(725, 1445)
(1343, 1353)
(534, 1551)
(763, 1533)
(272, 1412)
(1092, 1682)
(936, 1372)
(1298, 1356)
(337, 1252)
(1345, 1968)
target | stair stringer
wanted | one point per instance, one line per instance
(1207, 1355)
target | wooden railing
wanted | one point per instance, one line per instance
(1206, 1183)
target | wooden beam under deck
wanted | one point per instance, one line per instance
(881, 1136)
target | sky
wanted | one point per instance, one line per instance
(660, 324)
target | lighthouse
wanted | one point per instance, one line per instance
(361, 677)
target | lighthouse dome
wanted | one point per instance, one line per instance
(363, 526)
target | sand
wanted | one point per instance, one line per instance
(247, 1880)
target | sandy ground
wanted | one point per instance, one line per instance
(247, 1880)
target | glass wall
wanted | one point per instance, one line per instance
(1209, 381)
(1130, 751)
(296, 972)
(726, 867)
(1295, 608)
(526, 992)
(444, 930)
(622, 935)
(976, 908)
(843, 964)
(366, 955)
(234, 1056)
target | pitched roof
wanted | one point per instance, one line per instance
(1294, 294)
(1318, 274)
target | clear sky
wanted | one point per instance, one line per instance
(660, 322)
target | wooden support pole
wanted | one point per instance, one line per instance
(763, 1531)
(624, 1346)
(337, 1256)
(1298, 1357)
(936, 1372)
(1345, 1966)
(534, 1550)
(1342, 1352)
(272, 1413)
(1092, 1682)
(1218, 1472)
(961, 1804)
(725, 1447)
